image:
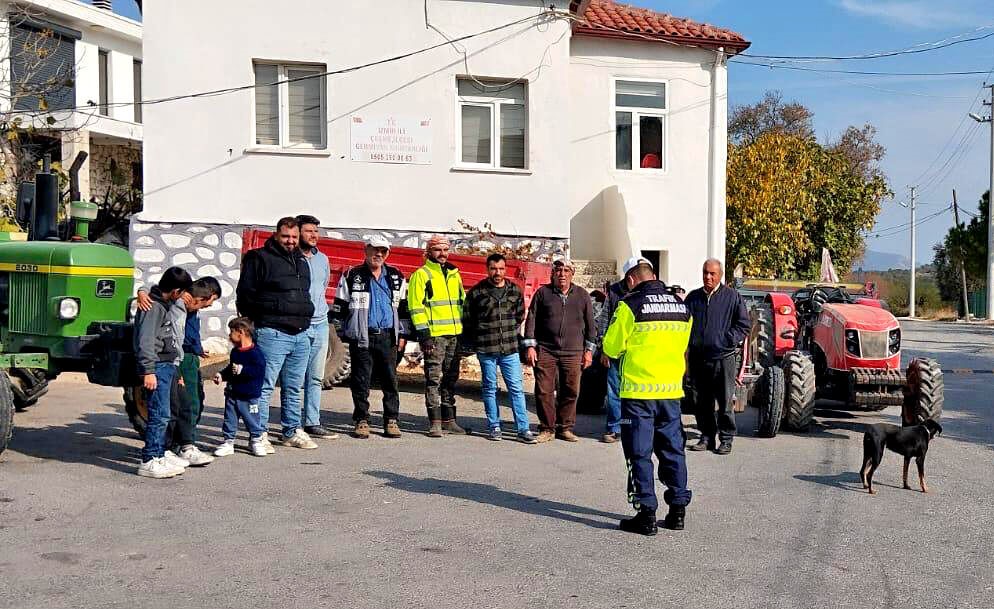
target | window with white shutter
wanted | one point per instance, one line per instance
(493, 124)
(290, 105)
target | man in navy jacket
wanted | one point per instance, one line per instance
(721, 322)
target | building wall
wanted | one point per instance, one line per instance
(666, 211)
(100, 159)
(199, 168)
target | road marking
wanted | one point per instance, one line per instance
(966, 371)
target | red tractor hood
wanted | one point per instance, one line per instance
(861, 317)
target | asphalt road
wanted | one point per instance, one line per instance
(464, 522)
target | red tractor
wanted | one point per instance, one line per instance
(824, 343)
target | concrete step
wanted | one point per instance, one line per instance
(595, 267)
(593, 282)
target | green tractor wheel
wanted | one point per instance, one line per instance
(6, 411)
(136, 409)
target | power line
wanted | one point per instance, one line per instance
(860, 72)
(235, 89)
(918, 48)
(903, 228)
(955, 131)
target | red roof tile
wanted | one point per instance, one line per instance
(606, 18)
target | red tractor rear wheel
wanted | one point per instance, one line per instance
(927, 391)
(799, 401)
(770, 401)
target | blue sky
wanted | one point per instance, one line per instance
(915, 116)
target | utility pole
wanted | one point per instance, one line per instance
(962, 267)
(990, 208)
(911, 296)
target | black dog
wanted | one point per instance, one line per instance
(906, 441)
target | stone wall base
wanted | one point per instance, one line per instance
(216, 250)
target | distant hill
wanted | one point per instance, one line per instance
(882, 261)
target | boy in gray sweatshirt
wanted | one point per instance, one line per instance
(156, 354)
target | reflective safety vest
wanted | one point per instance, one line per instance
(435, 300)
(649, 334)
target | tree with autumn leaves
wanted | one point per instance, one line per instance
(789, 196)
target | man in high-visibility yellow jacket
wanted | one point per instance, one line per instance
(649, 334)
(434, 299)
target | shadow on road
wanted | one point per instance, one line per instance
(489, 494)
(847, 481)
(93, 440)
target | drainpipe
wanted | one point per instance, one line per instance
(716, 162)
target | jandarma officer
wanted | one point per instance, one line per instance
(649, 334)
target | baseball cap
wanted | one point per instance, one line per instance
(377, 241)
(633, 262)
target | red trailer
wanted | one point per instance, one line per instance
(342, 255)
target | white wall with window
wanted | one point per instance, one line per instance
(496, 116)
(640, 122)
(493, 124)
(529, 128)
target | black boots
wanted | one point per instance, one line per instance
(674, 519)
(644, 523)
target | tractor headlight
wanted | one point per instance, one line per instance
(852, 342)
(132, 309)
(68, 309)
(894, 344)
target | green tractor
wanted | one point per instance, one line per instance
(64, 302)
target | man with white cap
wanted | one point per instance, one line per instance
(435, 300)
(370, 312)
(560, 334)
(616, 292)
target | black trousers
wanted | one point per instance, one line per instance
(182, 418)
(714, 384)
(379, 359)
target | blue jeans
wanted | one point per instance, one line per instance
(159, 411)
(246, 410)
(317, 335)
(286, 360)
(612, 402)
(510, 369)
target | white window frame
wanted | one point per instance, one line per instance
(494, 104)
(637, 113)
(282, 68)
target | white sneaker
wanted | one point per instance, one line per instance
(267, 444)
(300, 439)
(226, 449)
(194, 456)
(174, 460)
(156, 468)
(258, 448)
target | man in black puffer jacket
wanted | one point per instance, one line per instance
(274, 292)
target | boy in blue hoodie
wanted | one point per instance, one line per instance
(244, 375)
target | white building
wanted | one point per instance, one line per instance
(596, 124)
(73, 70)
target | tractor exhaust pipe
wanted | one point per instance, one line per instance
(44, 212)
